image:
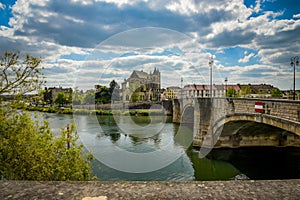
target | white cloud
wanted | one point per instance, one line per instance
(296, 16)
(257, 6)
(2, 6)
(52, 29)
(246, 58)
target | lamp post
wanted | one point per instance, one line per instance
(294, 63)
(226, 86)
(181, 87)
(210, 63)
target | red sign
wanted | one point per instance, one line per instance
(259, 107)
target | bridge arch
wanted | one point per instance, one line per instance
(188, 114)
(242, 133)
(284, 124)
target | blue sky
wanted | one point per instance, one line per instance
(84, 42)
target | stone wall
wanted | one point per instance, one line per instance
(283, 109)
(258, 140)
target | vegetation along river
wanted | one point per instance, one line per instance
(156, 155)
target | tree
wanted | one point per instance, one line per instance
(112, 85)
(28, 149)
(136, 95)
(114, 90)
(77, 96)
(70, 96)
(245, 90)
(19, 75)
(275, 92)
(102, 94)
(231, 92)
(60, 99)
(89, 97)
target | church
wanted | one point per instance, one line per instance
(141, 86)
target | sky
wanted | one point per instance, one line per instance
(88, 42)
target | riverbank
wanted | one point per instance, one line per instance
(131, 112)
(263, 189)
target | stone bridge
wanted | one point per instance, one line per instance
(234, 122)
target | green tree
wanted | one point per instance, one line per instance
(276, 93)
(28, 149)
(36, 99)
(102, 94)
(112, 85)
(231, 92)
(60, 99)
(136, 95)
(19, 75)
(245, 90)
(69, 96)
(77, 97)
(114, 90)
(89, 97)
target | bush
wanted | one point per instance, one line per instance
(29, 151)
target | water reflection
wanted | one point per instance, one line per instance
(209, 169)
(115, 137)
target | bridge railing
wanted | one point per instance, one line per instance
(285, 109)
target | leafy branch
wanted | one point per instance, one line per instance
(19, 76)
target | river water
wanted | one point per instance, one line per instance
(146, 151)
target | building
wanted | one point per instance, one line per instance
(257, 90)
(191, 91)
(288, 94)
(141, 86)
(173, 93)
(51, 93)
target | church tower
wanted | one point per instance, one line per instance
(156, 76)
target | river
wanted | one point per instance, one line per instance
(147, 151)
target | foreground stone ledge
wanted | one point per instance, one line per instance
(266, 189)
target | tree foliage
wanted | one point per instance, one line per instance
(245, 90)
(231, 92)
(19, 75)
(275, 92)
(28, 148)
(102, 94)
(114, 90)
(89, 97)
(77, 96)
(61, 99)
(113, 85)
(29, 151)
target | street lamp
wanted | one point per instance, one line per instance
(210, 63)
(294, 63)
(226, 86)
(181, 87)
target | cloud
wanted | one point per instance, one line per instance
(174, 53)
(257, 6)
(62, 33)
(246, 58)
(2, 6)
(296, 16)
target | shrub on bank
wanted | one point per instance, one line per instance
(137, 112)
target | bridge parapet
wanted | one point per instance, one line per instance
(284, 109)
